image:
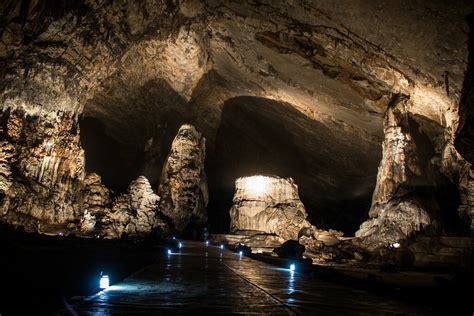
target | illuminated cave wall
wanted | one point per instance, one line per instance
(293, 89)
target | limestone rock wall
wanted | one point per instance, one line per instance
(44, 187)
(183, 185)
(42, 166)
(334, 63)
(269, 205)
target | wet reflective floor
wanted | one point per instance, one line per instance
(210, 280)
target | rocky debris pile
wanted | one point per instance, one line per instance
(183, 186)
(267, 205)
(346, 251)
(314, 238)
(260, 243)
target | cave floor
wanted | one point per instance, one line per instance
(209, 280)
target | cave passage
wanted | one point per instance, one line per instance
(122, 142)
(266, 137)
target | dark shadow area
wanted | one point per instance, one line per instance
(439, 194)
(41, 274)
(103, 155)
(335, 171)
(464, 141)
(127, 132)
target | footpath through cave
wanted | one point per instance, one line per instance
(208, 279)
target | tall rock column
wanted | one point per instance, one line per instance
(396, 210)
(183, 185)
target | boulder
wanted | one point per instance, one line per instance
(291, 249)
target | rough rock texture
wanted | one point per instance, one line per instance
(317, 77)
(42, 167)
(268, 205)
(396, 210)
(96, 204)
(465, 130)
(134, 213)
(183, 186)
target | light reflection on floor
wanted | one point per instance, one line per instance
(211, 280)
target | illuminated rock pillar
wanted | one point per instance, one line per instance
(267, 205)
(396, 211)
(183, 185)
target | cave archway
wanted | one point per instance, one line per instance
(335, 170)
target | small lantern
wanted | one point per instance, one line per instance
(104, 281)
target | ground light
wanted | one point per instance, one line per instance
(180, 245)
(221, 246)
(174, 237)
(396, 245)
(207, 243)
(292, 267)
(104, 281)
(241, 253)
(169, 251)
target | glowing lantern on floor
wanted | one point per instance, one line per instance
(180, 245)
(104, 281)
(221, 246)
(292, 267)
(169, 251)
(207, 243)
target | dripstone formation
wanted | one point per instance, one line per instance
(397, 211)
(269, 206)
(183, 187)
(307, 90)
(135, 213)
(57, 198)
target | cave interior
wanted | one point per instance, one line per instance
(138, 122)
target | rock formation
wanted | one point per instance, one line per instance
(42, 167)
(414, 169)
(135, 213)
(269, 205)
(183, 185)
(96, 205)
(397, 212)
(308, 90)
